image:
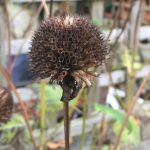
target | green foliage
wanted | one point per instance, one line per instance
(116, 114)
(53, 94)
(132, 130)
(9, 130)
(16, 121)
(105, 147)
(131, 134)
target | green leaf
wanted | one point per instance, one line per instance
(105, 147)
(53, 95)
(131, 134)
(132, 130)
(118, 115)
(9, 130)
(16, 121)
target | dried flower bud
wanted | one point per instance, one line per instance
(6, 105)
(64, 47)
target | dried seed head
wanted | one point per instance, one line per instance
(6, 105)
(63, 46)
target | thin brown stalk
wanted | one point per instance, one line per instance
(133, 102)
(45, 8)
(103, 130)
(124, 25)
(66, 123)
(6, 13)
(51, 8)
(115, 20)
(11, 85)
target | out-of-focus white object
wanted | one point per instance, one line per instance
(112, 100)
(117, 77)
(26, 94)
(111, 97)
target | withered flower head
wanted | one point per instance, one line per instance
(6, 105)
(64, 48)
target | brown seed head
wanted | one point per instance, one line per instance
(66, 47)
(6, 105)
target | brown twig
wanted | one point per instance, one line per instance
(51, 8)
(115, 20)
(66, 123)
(133, 102)
(45, 8)
(6, 13)
(11, 85)
(124, 25)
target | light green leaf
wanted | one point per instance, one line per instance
(131, 132)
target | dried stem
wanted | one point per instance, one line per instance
(123, 26)
(5, 75)
(133, 102)
(6, 13)
(45, 8)
(51, 8)
(66, 123)
(115, 20)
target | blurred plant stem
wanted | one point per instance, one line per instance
(83, 119)
(131, 71)
(43, 115)
(130, 90)
(66, 124)
(131, 106)
(5, 74)
(99, 135)
(51, 7)
(130, 77)
(95, 135)
(46, 9)
(8, 29)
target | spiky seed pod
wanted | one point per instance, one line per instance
(63, 47)
(6, 105)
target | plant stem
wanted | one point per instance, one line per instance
(7, 21)
(66, 123)
(130, 89)
(43, 108)
(83, 121)
(13, 88)
(51, 7)
(133, 102)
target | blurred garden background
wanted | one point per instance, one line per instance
(114, 114)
